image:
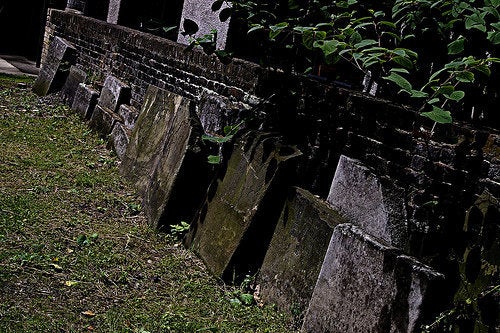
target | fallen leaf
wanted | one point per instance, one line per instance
(88, 313)
(56, 267)
(71, 283)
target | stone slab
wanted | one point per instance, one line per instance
(129, 114)
(149, 135)
(102, 120)
(237, 222)
(200, 11)
(166, 156)
(55, 68)
(120, 138)
(368, 286)
(374, 204)
(114, 11)
(114, 93)
(296, 252)
(75, 77)
(85, 101)
(216, 112)
(76, 6)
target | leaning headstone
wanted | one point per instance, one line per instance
(119, 139)
(295, 255)
(85, 101)
(114, 93)
(366, 200)
(216, 112)
(129, 114)
(103, 120)
(60, 56)
(148, 138)
(234, 232)
(105, 115)
(367, 286)
(200, 12)
(165, 158)
(75, 77)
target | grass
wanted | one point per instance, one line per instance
(75, 253)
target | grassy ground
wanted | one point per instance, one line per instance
(75, 252)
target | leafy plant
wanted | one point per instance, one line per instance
(387, 43)
(244, 294)
(179, 230)
(229, 132)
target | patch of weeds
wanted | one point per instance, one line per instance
(84, 240)
(179, 230)
(244, 294)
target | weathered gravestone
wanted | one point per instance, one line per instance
(105, 115)
(165, 158)
(200, 11)
(367, 286)
(75, 77)
(114, 11)
(60, 56)
(236, 225)
(84, 101)
(293, 262)
(216, 112)
(122, 131)
(376, 205)
(76, 6)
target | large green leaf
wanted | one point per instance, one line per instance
(400, 81)
(438, 115)
(465, 76)
(275, 30)
(403, 61)
(327, 46)
(494, 37)
(457, 46)
(365, 42)
(456, 95)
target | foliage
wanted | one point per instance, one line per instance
(229, 132)
(179, 230)
(424, 50)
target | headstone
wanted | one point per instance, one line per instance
(103, 120)
(165, 156)
(374, 204)
(200, 11)
(76, 6)
(293, 262)
(231, 235)
(129, 114)
(56, 66)
(114, 93)
(105, 115)
(216, 112)
(85, 101)
(120, 138)
(368, 286)
(113, 11)
(75, 77)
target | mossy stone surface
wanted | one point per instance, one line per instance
(296, 252)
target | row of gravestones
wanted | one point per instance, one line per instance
(339, 263)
